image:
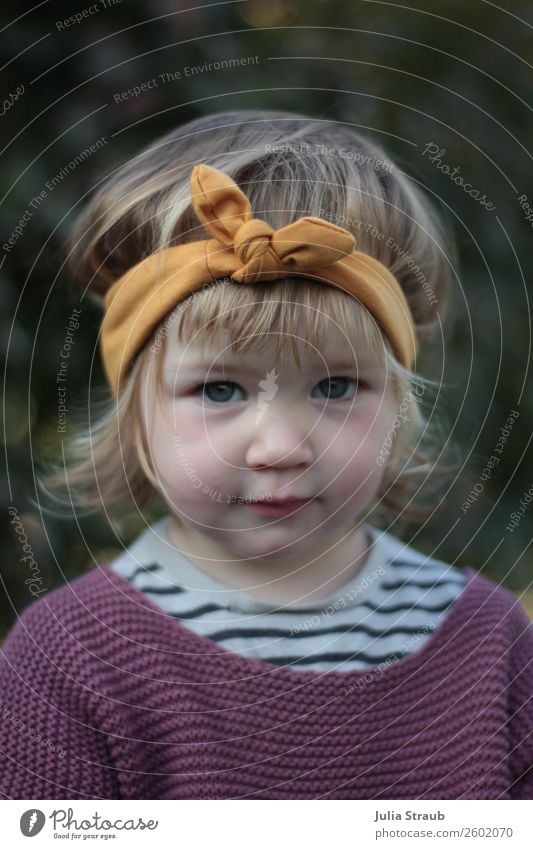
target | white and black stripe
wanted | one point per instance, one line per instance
(389, 609)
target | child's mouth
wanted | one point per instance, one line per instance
(277, 508)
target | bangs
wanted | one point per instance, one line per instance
(277, 317)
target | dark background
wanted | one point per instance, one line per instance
(453, 73)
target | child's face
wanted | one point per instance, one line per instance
(255, 432)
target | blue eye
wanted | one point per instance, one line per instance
(222, 391)
(217, 391)
(334, 387)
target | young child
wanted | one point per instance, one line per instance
(267, 280)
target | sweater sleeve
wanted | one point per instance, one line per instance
(520, 706)
(50, 745)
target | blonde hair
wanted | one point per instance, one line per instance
(288, 165)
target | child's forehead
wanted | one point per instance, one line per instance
(209, 354)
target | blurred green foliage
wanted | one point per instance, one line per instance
(452, 73)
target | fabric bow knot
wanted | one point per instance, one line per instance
(246, 249)
(226, 213)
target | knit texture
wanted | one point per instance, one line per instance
(144, 708)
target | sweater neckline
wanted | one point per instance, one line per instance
(247, 667)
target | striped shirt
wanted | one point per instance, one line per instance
(386, 611)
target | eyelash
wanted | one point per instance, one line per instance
(199, 390)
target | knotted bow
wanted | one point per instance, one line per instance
(226, 214)
(246, 249)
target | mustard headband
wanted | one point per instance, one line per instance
(246, 249)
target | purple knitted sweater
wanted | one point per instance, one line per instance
(143, 708)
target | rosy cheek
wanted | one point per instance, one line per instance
(197, 425)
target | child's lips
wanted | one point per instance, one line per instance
(277, 508)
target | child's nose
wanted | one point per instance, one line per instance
(280, 437)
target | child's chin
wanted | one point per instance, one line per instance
(268, 544)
